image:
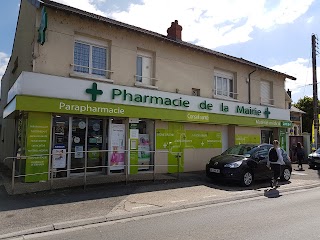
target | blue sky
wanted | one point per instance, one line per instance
(273, 33)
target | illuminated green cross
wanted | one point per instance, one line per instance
(94, 92)
(266, 112)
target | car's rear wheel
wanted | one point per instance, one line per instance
(313, 166)
(247, 178)
(286, 174)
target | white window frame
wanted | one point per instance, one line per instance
(225, 77)
(145, 80)
(92, 43)
(266, 93)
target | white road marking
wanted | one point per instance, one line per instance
(209, 196)
(178, 201)
(142, 207)
(298, 173)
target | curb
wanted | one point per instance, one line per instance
(104, 219)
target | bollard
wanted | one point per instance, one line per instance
(178, 166)
(154, 167)
(13, 174)
(126, 168)
(85, 173)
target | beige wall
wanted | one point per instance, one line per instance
(176, 68)
(22, 50)
(248, 130)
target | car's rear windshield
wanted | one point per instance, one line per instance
(239, 150)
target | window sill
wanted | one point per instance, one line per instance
(267, 104)
(225, 98)
(91, 77)
(141, 85)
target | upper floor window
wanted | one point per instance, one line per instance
(224, 85)
(144, 73)
(90, 59)
(266, 93)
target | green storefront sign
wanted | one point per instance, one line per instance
(247, 138)
(38, 144)
(42, 104)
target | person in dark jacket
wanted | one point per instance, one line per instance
(275, 166)
(300, 155)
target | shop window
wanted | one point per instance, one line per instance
(145, 147)
(116, 145)
(266, 93)
(60, 139)
(144, 69)
(266, 136)
(224, 85)
(91, 59)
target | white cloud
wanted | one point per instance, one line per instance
(4, 59)
(310, 19)
(209, 23)
(212, 23)
(302, 70)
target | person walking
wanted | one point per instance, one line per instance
(275, 163)
(299, 152)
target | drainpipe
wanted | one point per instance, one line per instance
(249, 86)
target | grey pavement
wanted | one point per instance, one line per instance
(51, 210)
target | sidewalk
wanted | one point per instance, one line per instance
(48, 211)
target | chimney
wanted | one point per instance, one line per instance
(289, 93)
(174, 32)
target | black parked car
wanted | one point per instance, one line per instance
(245, 163)
(314, 159)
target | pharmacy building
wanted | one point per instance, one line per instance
(83, 93)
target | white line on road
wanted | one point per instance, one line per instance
(297, 173)
(178, 201)
(142, 207)
(209, 196)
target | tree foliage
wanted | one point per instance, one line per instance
(306, 104)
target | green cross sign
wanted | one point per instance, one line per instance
(94, 92)
(43, 26)
(267, 112)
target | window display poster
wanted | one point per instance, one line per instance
(59, 158)
(38, 146)
(134, 133)
(116, 160)
(144, 149)
(78, 152)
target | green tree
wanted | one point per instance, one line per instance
(306, 104)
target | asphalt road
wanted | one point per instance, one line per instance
(294, 215)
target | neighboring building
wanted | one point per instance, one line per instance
(295, 131)
(296, 118)
(80, 82)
